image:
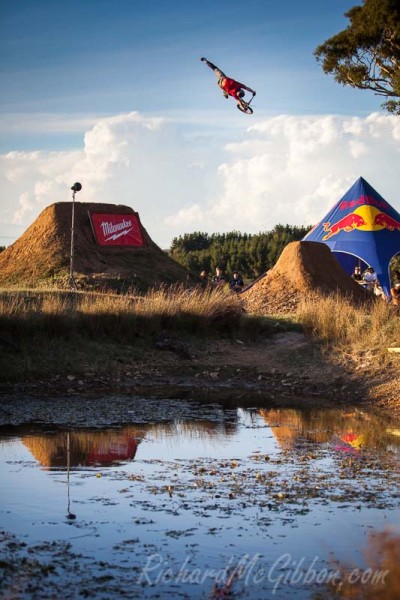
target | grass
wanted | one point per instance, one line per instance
(360, 334)
(47, 332)
(26, 313)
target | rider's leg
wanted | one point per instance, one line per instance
(240, 99)
(217, 71)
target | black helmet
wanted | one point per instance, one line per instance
(240, 94)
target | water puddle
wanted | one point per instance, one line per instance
(183, 500)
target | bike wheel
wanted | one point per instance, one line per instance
(245, 109)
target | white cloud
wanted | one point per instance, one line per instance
(285, 169)
(292, 169)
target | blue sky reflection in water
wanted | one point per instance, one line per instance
(268, 489)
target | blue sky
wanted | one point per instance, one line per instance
(97, 57)
(66, 67)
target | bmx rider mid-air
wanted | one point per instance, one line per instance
(231, 87)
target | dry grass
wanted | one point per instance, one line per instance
(48, 331)
(44, 333)
(362, 333)
(51, 313)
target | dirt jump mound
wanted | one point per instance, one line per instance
(303, 268)
(112, 250)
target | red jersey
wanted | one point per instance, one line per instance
(230, 86)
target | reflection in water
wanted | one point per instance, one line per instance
(349, 431)
(111, 446)
(70, 515)
(213, 490)
(84, 448)
(380, 580)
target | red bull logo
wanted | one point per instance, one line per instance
(365, 218)
(386, 221)
(348, 223)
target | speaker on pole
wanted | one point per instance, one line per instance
(75, 188)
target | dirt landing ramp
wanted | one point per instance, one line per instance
(302, 268)
(42, 254)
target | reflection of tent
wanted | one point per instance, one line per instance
(362, 228)
(355, 440)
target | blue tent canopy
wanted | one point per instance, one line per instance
(361, 229)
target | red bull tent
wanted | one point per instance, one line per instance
(361, 229)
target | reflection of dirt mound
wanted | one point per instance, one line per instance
(302, 268)
(43, 252)
(85, 448)
(288, 425)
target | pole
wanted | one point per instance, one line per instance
(71, 256)
(70, 515)
(75, 188)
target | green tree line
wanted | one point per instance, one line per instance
(250, 254)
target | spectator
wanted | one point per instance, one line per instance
(357, 274)
(236, 284)
(370, 279)
(395, 289)
(218, 278)
(204, 279)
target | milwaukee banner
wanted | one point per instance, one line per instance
(116, 230)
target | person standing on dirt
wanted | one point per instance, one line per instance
(357, 274)
(395, 289)
(236, 284)
(370, 279)
(204, 279)
(229, 87)
(218, 278)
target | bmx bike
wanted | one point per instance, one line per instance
(245, 106)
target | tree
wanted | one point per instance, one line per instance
(366, 55)
(250, 254)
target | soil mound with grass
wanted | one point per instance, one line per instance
(41, 256)
(303, 268)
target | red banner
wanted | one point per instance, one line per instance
(116, 230)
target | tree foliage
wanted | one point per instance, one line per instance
(251, 255)
(366, 55)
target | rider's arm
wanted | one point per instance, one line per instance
(247, 88)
